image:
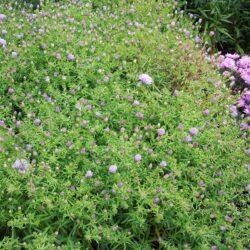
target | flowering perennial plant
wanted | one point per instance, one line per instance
(116, 133)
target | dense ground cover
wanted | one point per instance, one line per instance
(117, 132)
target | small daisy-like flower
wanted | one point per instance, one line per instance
(112, 169)
(89, 174)
(146, 79)
(138, 157)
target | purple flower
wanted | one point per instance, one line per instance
(228, 218)
(211, 33)
(206, 112)
(193, 131)
(89, 174)
(71, 57)
(244, 62)
(81, 43)
(248, 151)
(180, 126)
(161, 131)
(228, 63)
(245, 75)
(84, 123)
(2, 42)
(10, 90)
(18, 124)
(163, 164)
(189, 138)
(98, 184)
(248, 187)
(138, 157)
(233, 56)
(156, 200)
(139, 115)
(146, 79)
(2, 16)
(58, 109)
(112, 169)
(136, 103)
(200, 183)
(37, 122)
(21, 165)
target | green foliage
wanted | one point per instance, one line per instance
(229, 19)
(54, 205)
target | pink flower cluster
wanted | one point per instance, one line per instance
(234, 65)
(244, 102)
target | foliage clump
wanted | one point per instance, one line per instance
(116, 132)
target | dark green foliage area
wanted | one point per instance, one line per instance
(230, 19)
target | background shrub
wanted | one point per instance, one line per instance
(229, 19)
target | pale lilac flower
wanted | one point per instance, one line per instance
(2, 42)
(2, 17)
(136, 103)
(146, 79)
(180, 126)
(228, 218)
(58, 109)
(10, 90)
(189, 138)
(89, 174)
(21, 165)
(156, 200)
(211, 33)
(138, 157)
(161, 131)
(206, 112)
(18, 124)
(71, 57)
(37, 122)
(139, 115)
(193, 131)
(98, 184)
(248, 187)
(112, 169)
(84, 123)
(163, 164)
